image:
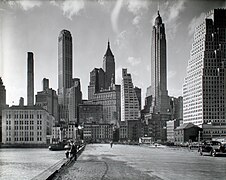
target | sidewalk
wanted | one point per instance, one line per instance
(98, 165)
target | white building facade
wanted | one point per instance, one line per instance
(204, 89)
(130, 104)
(26, 125)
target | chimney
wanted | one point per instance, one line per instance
(30, 79)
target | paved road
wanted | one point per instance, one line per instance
(99, 161)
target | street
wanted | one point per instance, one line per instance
(100, 161)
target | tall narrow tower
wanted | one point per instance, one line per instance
(159, 93)
(109, 67)
(30, 79)
(64, 64)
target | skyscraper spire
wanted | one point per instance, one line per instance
(108, 52)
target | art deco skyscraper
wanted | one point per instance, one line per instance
(64, 64)
(159, 91)
(30, 79)
(204, 88)
(109, 67)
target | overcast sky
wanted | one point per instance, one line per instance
(35, 26)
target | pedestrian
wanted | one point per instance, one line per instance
(73, 151)
(67, 153)
(111, 143)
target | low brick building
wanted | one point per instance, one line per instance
(186, 133)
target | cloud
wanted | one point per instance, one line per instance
(170, 13)
(133, 61)
(120, 40)
(25, 4)
(194, 23)
(137, 8)
(115, 14)
(69, 7)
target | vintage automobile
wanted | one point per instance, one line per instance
(209, 147)
(220, 150)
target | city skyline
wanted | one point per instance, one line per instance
(28, 26)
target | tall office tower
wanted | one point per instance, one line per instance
(64, 73)
(64, 64)
(130, 103)
(159, 92)
(75, 98)
(30, 79)
(204, 88)
(48, 100)
(103, 90)
(2, 104)
(109, 67)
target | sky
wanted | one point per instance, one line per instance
(35, 26)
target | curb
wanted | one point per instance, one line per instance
(49, 173)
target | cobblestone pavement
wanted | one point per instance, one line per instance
(98, 164)
(127, 162)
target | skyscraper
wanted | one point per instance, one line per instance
(64, 64)
(103, 90)
(64, 73)
(130, 102)
(109, 67)
(204, 88)
(2, 104)
(30, 79)
(159, 91)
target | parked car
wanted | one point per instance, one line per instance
(209, 147)
(220, 150)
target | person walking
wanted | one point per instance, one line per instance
(73, 151)
(111, 143)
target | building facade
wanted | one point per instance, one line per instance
(26, 125)
(48, 100)
(159, 92)
(130, 108)
(103, 90)
(75, 98)
(186, 133)
(101, 132)
(65, 72)
(204, 89)
(2, 104)
(90, 113)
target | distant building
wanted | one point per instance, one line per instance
(123, 131)
(130, 109)
(26, 125)
(103, 90)
(2, 104)
(75, 98)
(90, 113)
(48, 100)
(138, 93)
(65, 72)
(159, 112)
(97, 132)
(134, 130)
(204, 88)
(171, 126)
(187, 133)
